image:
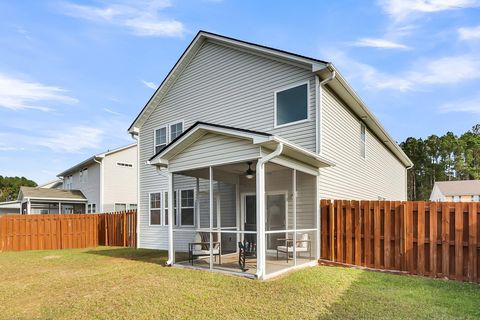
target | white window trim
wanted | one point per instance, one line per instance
(290, 86)
(179, 209)
(150, 207)
(115, 204)
(172, 123)
(167, 128)
(363, 144)
(155, 137)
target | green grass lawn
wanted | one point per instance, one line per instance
(110, 283)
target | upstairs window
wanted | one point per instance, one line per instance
(176, 129)
(160, 139)
(69, 182)
(291, 105)
(363, 142)
(124, 164)
(84, 176)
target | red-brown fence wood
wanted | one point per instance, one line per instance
(435, 239)
(67, 231)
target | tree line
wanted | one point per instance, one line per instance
(441, 158)
(10, 186)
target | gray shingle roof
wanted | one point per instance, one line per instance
(57, 194)
(459, 188)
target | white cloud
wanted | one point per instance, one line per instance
(420, 76)
(379, 43)
(112, 112)
(72, 140)
(469, 33)
(467, 106)
(17, 94)
(142, 18)
(402, 9)
(446, 70)
(149, 84)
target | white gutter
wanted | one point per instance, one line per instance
(260, 176)
(318, 120)
(101, 183)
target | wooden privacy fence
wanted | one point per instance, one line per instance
(436, 239)
(66, 231)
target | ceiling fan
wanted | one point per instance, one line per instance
(249, 174)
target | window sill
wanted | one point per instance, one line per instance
(278, 126)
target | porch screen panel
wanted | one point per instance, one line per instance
(306, 209)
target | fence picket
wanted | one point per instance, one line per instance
(447, 241)
(62, 231)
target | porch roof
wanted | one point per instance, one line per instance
(35, 193)
(261, 139)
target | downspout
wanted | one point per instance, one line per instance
(319, 108)
(406, 180)
(136, 137)
(260, 175)
(101, 184)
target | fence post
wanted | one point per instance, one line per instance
(124, 228)
(332, 230)
(105, 216)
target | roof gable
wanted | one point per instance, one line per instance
(459, 188)
(192, 50)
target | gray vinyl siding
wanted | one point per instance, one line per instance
(214, 149)
(91, 189)
(224, 86)
(380, 174)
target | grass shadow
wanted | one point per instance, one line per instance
(375, 295)
(158, 257)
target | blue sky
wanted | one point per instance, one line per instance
(73, 75)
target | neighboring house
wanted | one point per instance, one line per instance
(54, 184)
(108, 180)
(36, 200)
(456, 191)
(10, 207)
(229, 135)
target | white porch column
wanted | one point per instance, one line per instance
(210, 174)
(317, 217)
(294, 193)
(29, 207)
(171, 253)
(260, 177)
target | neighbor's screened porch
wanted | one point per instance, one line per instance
(217, 226)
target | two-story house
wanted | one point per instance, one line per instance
(108, 180)
(238, 145)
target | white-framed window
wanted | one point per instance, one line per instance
(456, 198)
(132, 206)
(165, 134)
(291, 104)
(476, 198)
(363, 141)
(91, 208)
(84, 176)
(124, 164)
(187, 207)
(69, 182)
(161, 136)
(176, 129)
(155, 208)
(120, 207)
(165, 208)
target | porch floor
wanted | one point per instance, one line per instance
(230, 263)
